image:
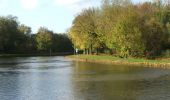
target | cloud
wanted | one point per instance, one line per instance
(66, 2)
(29, 4)
(74, 5)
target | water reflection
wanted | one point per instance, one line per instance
(101, 82)
(56, 78)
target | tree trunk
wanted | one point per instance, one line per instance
(91, 49)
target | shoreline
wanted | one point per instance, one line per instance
(120, 61)
(34, 55)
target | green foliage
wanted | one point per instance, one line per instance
(61, 43)
(166, 53)
(44, 39)
(8, 33)
(126, 28)
(23, 29)
(128, 36)
(18, 38)
(154, 36)
(84, 30)
(24, 38)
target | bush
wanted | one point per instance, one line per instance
(166, 53)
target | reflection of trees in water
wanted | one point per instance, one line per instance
(89, 83)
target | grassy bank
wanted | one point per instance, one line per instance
(104, 59)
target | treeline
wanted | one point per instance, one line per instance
(18, 38)
(123, 28)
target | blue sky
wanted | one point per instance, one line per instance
(56, 15)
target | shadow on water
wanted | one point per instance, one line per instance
(106, 82)
(27, 60)
(41, 63)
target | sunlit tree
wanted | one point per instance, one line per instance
(44, 39)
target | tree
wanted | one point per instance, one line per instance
(154, 36)
(8, 33)
(128, 36)
(59, 40)
(26, 30)
(44, 39)
(123, 27)
(24, 38)
(106, 23)
(84, 30)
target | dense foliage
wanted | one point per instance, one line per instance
(18, 38)
(124, 28)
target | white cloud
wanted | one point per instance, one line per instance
(66, 2)
(29, 4)
(75, 5)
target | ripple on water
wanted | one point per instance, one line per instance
(55, 78)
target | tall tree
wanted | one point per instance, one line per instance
(26, 30)
(84, 30)
(24, 38)
(8, 33)
(154, 36)
(44, 39)
(59, 40)
(128, 36)
(127, 29)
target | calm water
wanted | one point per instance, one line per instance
(56, 78)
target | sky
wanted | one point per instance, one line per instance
(56, 15)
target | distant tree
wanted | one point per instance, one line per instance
(8, 33)
(26, 30)
(24, 38)
(33, 43)
(61, 43)
(44, 39)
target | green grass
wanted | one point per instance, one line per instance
(113, 58)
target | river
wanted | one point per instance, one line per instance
(57, 78)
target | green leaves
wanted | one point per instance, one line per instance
(83, 33)
(44, 39)
(128, 36)
(8, 33)
(126, 28)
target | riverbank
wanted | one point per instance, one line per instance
(35, 54)
(105, 59)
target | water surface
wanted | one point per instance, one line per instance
(57, 78)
